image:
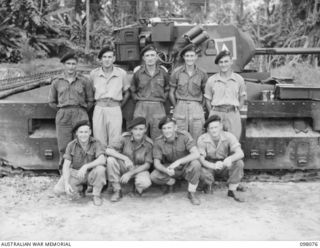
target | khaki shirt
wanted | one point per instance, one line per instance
(77, 93)
(138, 153)
(227, 144)
(225, 91)
(112, 86)
(169, 151)
(188, 87)
(79, 157)
(150, 88)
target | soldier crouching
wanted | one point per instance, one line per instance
(176, 155)
(220, 154)
(130, 157)
(84, 164)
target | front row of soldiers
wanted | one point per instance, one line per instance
(108, 89)
(174, 153)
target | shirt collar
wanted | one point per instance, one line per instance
(207, 137)
(232, 77)
(166, 140)
(184, 68)
(115, 72)
(144, 69)
(91, 140)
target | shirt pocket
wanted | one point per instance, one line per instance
(79, 90)
(195, 87)
(159, 87)
(183, 86)
(62, 92)
(139, 156)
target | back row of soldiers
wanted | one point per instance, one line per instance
(172, 147)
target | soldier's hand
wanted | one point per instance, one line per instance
(68, 189)
(170, 172)
(82, 172)
(218, 165)
(128, 163)
(125, 178)
(227, 162)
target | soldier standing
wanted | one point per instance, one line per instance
(72, 94)
(187, 84)
(150, 88)
(130, 157)
(220, 154)
(110, 84)
(225, 94)
(84, 164)
(176, 155)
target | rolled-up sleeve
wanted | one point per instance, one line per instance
(189, 141)
(157, 151)
(202, 147)
(174, 79)
(67, 155)
(208, 91)
(125, 81)
(53, 96)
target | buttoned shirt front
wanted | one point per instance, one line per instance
(150, 88)
(227, 144)
(139, 153)
(111, 86)
(170, 151)
(188, 87)
(77, 93)
(225, 91)
(78, 156)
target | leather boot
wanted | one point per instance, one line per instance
(97, 201)
(193, 198)
(237, 198)
(116, 196)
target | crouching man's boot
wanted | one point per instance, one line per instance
(232, 193)
(116, 196)
(193, 198)
(97, 201)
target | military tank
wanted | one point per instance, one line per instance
(281, 122)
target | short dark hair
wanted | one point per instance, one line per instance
(212, 118)
(106, 49)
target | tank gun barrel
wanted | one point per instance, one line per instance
(270, 51)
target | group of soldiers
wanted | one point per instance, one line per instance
(156, 148)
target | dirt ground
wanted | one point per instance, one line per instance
(273, 211)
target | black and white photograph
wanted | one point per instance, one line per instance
(160, 120)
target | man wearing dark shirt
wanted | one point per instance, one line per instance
(150, 88)
(72, 95)
(84, 164)
(130, 157)
(176, 155)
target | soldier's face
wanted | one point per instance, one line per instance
(83, 133)
(138, 131)
(190, 57)
(108, 59)
(70, 66)
(215, 128)
(169, 129)
(150, 57)
(225, 63)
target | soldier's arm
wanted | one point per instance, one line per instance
(53, 97)
(202, 150)
(194, 155)
(172, 98)
(125, 98)
(160, 167)
(237, 155)
(208, 104)
(133, 86)
(242, 93)
(140, 168)
(89, 94)
(114, 153)
(66, 176)
(100, 160)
